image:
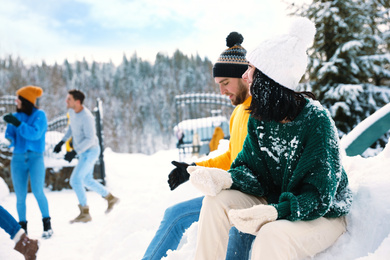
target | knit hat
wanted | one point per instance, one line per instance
(283, 58)
(31, 93)
(232, 62)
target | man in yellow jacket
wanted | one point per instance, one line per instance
(227, 72)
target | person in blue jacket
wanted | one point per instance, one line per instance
(26, 131)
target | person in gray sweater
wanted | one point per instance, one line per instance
(86, 146)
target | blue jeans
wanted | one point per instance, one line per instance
(240, 245)
(82, 176)
(23, 165)
(181, 216)
(8, 223)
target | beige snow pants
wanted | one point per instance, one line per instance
(281, 239)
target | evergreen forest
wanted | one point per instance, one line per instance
(138, 97)
(349, 72)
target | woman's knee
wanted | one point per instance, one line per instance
(21, 191)
(37, 184)
(38, 191)
(273, 242)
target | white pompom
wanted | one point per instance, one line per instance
(304, 29)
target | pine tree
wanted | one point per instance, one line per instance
(349, 60)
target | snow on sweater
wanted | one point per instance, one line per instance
(295, 165)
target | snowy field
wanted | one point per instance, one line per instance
(140, 181)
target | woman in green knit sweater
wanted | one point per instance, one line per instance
(287, 186)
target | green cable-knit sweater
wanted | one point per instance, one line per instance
(295, 165)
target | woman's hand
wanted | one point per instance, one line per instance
(11, 119)
(210, 181)
(252, 219)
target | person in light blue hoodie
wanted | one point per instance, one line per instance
(86, 146)
(26, 131)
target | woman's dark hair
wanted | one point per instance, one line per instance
(27, 106)
(273, 102)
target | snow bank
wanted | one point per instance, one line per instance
(140, 181)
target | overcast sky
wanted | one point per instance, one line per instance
(104, 30)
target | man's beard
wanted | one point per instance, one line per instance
(241, 94)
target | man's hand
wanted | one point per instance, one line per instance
(57, 148)
(70, 155)
(178, 175)
(252, 219)
(11, 119)
(210, 181)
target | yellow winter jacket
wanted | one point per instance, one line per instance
(238, 131)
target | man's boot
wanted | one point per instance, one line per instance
(23, 224)
(84, 215)
(47, 231)
(27, 247)
(111, 200)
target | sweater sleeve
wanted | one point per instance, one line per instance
(35, 130)
(318, 172)
(242, 169)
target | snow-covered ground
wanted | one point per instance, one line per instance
(141, 183)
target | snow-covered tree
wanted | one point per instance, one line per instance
(138, 97)
(349, 60)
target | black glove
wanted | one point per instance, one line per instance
(11, 119)
(178, 175)
(70, 155)
(57, 148)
